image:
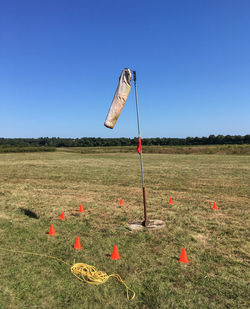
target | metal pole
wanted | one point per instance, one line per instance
(145, 222)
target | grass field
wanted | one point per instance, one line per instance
(198, 149)
(36, 187)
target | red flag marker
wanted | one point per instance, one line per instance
(170, 201)
(81, 208)
(121, 202)
(139, 148)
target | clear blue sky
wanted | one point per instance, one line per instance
(60, 61)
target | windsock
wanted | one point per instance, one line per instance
(119, 99)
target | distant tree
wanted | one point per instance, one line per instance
(246, 139)
(211, 139)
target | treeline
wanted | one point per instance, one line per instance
(99, 142)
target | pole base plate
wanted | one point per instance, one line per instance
(152, 225)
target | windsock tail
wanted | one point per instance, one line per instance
(119, 99)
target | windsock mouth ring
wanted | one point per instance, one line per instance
(128, 76)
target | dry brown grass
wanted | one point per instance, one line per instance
(49, 183)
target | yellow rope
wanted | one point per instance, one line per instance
(83, 272)
(91, 275)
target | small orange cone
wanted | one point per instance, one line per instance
(115, 254)
(121, 201)
(81, 208)
(62, 216)
(51, 230)
(77, 243)
(183, 257)
(170, 201)
(215, 206)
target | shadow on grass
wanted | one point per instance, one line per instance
(29, 213)
(175, 258)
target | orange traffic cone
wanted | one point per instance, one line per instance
(121, 201)
(183, 257)
(81, 208)
(115, 254)
(77, 243)
(215, 206)
(170, 201)
(62, 216)
(51, 230)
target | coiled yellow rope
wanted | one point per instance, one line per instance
(83, 272)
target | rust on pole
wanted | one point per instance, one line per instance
(145, 222)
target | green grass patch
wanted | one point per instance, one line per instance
(36, 187)
(4, 149)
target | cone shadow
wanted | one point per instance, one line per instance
(29, 213)
(175, 258)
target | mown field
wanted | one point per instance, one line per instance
(202, 149)
(36, 187)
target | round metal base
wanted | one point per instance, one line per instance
(152, 225)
